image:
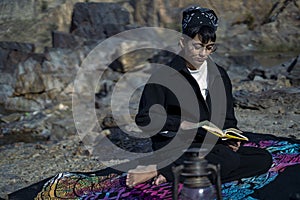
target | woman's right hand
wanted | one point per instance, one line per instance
(234, 145)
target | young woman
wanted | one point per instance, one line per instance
(199, 27)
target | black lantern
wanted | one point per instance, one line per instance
(198, 178)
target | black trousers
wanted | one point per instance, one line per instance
(246, 162)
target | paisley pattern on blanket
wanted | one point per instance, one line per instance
(112, 186)
(284, 154)
(79, 186)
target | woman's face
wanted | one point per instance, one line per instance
(195, 51)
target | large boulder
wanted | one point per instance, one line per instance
(36, 81)
(98, 20)
(11, 54)
(33, 20)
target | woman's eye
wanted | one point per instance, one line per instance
(209, 47)
(197, 47)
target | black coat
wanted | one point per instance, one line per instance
(217, 108)
(179, 98)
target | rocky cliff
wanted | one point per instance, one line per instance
(269, 25)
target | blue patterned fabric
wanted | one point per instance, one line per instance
(280, 182)
(112, 186)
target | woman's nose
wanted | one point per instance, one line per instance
(202, 51)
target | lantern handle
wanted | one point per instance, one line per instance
(176, 172)
(215, 170)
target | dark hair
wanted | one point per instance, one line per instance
(205, 33)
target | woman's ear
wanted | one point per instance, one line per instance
(181, 42)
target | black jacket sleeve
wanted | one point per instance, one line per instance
(150, 113)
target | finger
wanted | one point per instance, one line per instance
(233, 148)
(230, 142)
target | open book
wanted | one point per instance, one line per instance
(230, 133)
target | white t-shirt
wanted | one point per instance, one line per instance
(200, 75)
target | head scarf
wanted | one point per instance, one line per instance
(196, 17)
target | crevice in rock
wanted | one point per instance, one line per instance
(276, 10)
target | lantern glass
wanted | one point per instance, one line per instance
(205, 193)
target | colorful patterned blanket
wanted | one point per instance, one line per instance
(107, 184)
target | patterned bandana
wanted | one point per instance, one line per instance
(196, 16)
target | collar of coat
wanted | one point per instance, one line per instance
(179, 64)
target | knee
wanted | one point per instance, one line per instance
(229, 165)
(264, 160)
(226, 158)
(268, 160)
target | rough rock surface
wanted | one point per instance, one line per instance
(255, 27)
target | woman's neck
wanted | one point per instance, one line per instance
(193, 67)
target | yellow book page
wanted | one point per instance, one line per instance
(218, 132)
(235, 134)
(231, 133)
